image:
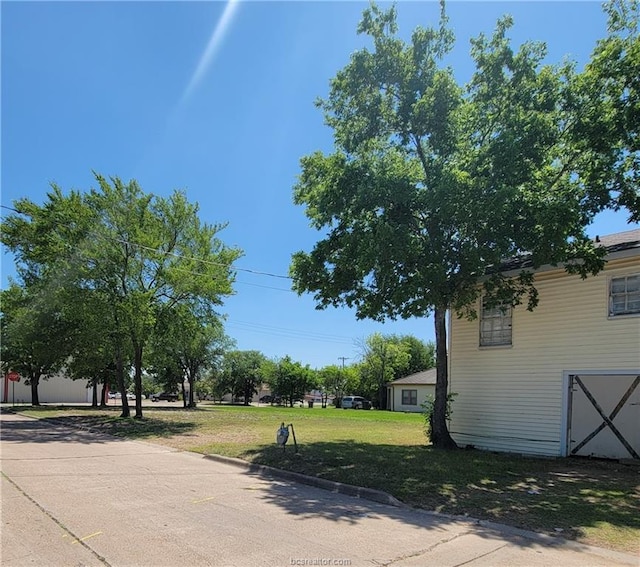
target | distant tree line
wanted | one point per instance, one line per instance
(383, 358)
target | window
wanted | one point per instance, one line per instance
(409, 397)
(495, 325)
(624, 295)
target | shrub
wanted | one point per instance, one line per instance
(427, 412)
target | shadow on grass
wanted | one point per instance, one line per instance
(90, 427)
(304, 503)
(553, 496)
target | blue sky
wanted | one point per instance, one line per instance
(216, 98)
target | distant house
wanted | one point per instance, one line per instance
(563, 379)
(408, 393)
(262, 391)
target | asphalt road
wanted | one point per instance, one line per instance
(76, 498)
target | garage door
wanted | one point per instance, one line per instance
(604, 416)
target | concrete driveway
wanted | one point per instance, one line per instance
(77, 498)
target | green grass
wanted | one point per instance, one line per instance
(595, 502)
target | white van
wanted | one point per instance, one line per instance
(355, 402)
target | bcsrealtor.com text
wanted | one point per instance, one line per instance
(326, 561)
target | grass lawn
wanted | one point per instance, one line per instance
(592, 501)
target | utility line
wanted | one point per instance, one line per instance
(181, 256)
(243, 325)
(265, 286)
(300, 332)
(209, 262)
(287, 333)
(192, 273)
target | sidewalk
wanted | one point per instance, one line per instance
(73, 497)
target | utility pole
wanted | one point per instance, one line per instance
(343, 358)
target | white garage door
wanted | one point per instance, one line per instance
(604, 416)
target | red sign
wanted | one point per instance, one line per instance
(13, 376)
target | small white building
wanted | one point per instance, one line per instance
(408, 393)
(563, 379)
(57, 389)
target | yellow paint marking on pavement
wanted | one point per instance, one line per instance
(203, 500)
(257, 487)
(86, 537)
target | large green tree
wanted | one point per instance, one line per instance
(242, 373)
(35, 339)
(605, 130)
(422, 356)
(433, 184)
(138, 252)
(339, 381)
(383, 359)
(188, 339)
(91, 342)
(289, 379)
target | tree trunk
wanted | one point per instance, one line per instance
(185, 401)
(94, 394)
(103, 395)
(440, 436)
(193, 371)
(120, 380)
(34, 380)
(381, 396)
(137, 380)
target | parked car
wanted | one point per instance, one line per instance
(270, 399)
(164, 396)
(355, 402)
(115, 395)
(132, 396)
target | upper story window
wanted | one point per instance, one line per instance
(624, 295)
(495, 325)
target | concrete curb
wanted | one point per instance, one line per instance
(385, 498)
(329, 485)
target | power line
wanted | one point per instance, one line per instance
(192, 273)
(181, 256)
(265, 286)
(330, 335)
(288, 333)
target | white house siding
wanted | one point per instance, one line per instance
(56, 389)
(423, 392)
(512, 398)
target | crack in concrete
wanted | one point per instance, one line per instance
(422, 551)
(481, 555)
(76, 538)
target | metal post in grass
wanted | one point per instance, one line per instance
(295, 443)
